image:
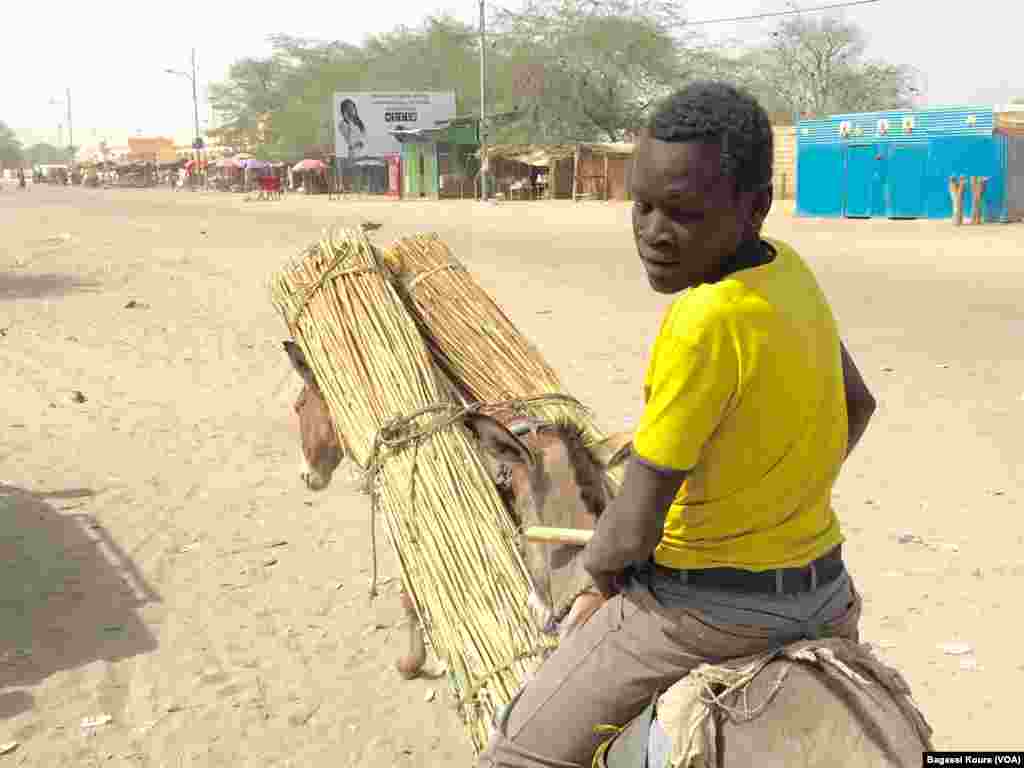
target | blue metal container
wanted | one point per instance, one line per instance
(897, 164)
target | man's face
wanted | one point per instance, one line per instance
(687, 216)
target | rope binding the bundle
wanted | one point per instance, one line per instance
(397, 434)
(338, 257)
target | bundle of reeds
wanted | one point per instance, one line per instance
(473, 339)
(444, 517)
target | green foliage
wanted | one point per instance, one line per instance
(291, 92)
(602, 65)
(11, 153)
(43, 153)
(571, 70)
(815, 66)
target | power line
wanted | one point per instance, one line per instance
(757, 16)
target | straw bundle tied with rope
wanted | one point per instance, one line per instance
(474, 340)
(454, 540)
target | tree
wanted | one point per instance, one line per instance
(569, 70)
(599, 65)
(816, 66)
(41, 154)
(283, 104)
(253, 88)
(11, 153)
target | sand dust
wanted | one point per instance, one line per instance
(163, 565)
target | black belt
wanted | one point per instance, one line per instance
(789, 581)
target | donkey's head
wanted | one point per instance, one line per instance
(553, 479)
(322, 451)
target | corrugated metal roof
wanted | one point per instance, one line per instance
(923, 124)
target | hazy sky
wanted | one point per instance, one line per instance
(115, 68)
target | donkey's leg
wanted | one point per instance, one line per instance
(410, 665)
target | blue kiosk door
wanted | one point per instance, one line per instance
(905, 187)
(860, 167)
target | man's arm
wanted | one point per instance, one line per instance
(860, 403)
(631, 527)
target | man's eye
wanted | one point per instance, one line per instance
(642, 208)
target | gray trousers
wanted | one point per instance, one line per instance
(641, 642)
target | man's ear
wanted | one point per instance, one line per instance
(497, 441)
(761, 205)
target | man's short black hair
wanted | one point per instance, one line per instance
(719, 112)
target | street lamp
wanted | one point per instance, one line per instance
(71, 140)
(196, 142)
(484, 164)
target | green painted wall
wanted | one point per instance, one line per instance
(426, 182)
(430, 180)
(460, 134)
(419, 170)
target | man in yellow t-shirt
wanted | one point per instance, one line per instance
(722, 541)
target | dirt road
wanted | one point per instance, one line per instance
(161, 563)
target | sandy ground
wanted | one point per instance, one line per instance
(162, 564)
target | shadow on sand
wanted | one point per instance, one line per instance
(68, 594)
(27, 285)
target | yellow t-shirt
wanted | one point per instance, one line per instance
(745, 390)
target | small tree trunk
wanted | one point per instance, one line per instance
(978, 184)
(956, 192)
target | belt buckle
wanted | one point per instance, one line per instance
(811, 569)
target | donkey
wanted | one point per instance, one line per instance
(549, 477)
(576, 480)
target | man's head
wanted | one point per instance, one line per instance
(701, 183)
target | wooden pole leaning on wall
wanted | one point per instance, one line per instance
(978, 184)
(629, 175)
(576, 174)
(607, 195)
(956, 192)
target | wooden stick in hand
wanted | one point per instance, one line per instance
(572, 536)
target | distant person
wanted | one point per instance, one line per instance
(21, 178)
(351, 128)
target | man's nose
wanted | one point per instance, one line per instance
(654, 229)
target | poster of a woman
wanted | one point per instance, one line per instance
(352, 129)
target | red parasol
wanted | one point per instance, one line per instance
(309, 165)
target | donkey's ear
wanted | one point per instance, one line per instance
(298, 361)
(496, 440)
(613, 449)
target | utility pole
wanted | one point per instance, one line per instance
(71, 136)
(195, 110)
(196, 141)
(483, 103)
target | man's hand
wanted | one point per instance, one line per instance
(608, 583)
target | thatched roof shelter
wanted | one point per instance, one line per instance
(544, 154)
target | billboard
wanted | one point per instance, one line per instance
(363, 121)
